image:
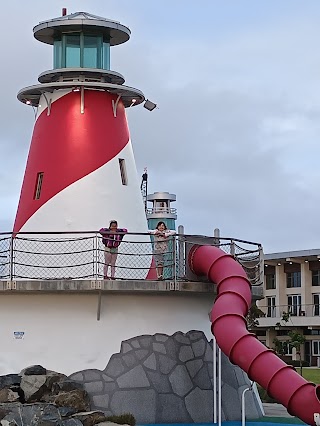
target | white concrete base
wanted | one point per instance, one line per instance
(61, 331)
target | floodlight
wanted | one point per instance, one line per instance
(150, 106)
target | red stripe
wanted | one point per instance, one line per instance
(68, 145)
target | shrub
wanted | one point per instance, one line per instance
(122, 419)
(296, 363)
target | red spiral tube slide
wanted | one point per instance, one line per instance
(229, 327)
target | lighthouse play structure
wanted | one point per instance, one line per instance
(81, 171)
(80, 174)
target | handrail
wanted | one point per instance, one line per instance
(130, 233)
(81, 255)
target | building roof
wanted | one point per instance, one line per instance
(46, 31)
(311, 254)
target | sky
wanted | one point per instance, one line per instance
(236, 132)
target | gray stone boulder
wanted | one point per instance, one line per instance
(38, 387)
(35, 370)
(9, 380)
(31, 414)
(8, 395)
(50, 399)
(90, 418)
(77, 399)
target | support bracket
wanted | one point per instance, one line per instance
(115, 105)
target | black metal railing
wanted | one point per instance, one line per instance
(81, 255)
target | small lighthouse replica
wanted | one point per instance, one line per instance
(81, 171)
(161, 210)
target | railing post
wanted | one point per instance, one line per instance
(232, 248)
(261, 265)
(175, 259)
(181, 252)
(11, 258)
(95, 256)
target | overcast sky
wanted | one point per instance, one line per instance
(236, 135)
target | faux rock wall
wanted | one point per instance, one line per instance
(167, 379)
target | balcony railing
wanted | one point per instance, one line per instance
(80, 255)
(157, 210)
(305, 310)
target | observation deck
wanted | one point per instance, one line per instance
(73, 262)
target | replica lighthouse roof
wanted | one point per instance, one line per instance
(48, 31)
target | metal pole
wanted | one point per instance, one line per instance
(214, 349)
(219, 387)
(232, 248)
(96, 256)
(261, 265)
(216, 234)
(174, 241)
(181, 250)
(243, 404)
(11, 257)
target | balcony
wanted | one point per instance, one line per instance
(74, 262)
(300, 315)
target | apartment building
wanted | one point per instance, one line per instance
(292, 285)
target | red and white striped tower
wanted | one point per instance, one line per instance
(81, 170)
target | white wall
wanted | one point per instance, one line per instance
(61, 332)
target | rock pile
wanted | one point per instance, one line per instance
(39, 397)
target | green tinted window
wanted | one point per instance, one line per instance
(92, 51)
(57, 54)
(72, 46)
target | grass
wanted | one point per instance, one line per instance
(311, 374)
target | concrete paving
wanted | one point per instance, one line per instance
(275, 410)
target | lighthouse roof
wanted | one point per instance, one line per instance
(47, 31)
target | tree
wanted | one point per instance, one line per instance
(252, 317)
(296, 339)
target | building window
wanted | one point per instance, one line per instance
(287, 348)
(270, 277)
(315, 347)
(79, 49)
(316, 305)
(316, 278)
(270, 281)
(123, 171)
(271, 307)
(294, 305)
(37, 190)
(293, 279)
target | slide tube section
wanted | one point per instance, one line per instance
(229, 326)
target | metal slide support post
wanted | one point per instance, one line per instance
(243, 404)
(219, 387)
(214, 351)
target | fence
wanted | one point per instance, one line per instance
(80, 255)
(298, 310)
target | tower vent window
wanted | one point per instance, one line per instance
(37, 190)
(123, 171)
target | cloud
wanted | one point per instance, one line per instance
(236, 133)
